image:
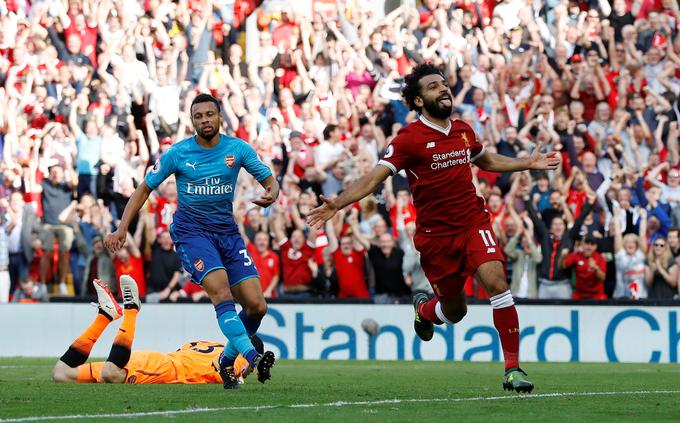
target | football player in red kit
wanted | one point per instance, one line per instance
(454, 234)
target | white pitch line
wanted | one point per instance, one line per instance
(19, 366)
(332, 404)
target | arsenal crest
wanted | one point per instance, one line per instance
(198, 264)
(230, 160)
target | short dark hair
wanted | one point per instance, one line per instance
(205, 98)
(542, 175)
(328, 130)
(411, 88)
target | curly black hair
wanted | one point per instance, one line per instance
(206, 98)
(411, 88)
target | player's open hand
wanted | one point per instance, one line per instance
(540, 161)
(266, 199)
(115, 241)
(320, 215)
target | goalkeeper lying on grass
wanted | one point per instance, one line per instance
(193, 362)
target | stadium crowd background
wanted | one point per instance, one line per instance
(93, 92)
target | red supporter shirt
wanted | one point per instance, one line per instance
(296, 271)
(88, 39)
(267, 266)
(408, 213)
(587, 283)
(134, 268)
(589, 101)
(20, 75)
(350, 271)
(165, 210)
(575, 201)
(282, 34)
(437, 163)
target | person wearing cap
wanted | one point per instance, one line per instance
(589, 270)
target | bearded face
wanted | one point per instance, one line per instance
(436, 96)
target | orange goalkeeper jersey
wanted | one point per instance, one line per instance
(192, 363)
(195, 362)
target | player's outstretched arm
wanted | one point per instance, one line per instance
(355, 192)
(271, 192)
(493, 162)
(116, 240)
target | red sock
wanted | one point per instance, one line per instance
(507, 324)
(427, 311)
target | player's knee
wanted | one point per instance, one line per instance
(112, 374)
(457, 314)
(58, 373)
(218, 293)
(216, 285)
(497, 286)
(258, 310)
(492, 276)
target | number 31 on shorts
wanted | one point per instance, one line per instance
(246, 257)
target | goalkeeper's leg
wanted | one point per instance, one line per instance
(68, 368)
(114, 368)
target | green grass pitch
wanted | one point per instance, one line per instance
(357, 391)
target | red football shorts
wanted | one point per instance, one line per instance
(448, 260)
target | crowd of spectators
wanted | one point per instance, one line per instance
(93, 92)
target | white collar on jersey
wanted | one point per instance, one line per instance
(434, 126)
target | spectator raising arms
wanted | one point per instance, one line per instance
(93, 92)
(629, 252)
(295, 254)
(266, 261)
(349, 257)
(589, 270)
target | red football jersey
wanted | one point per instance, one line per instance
(296, 271)
(351, 277)
(587, 285)
(267, 266)
(165, 210)
(437, 163)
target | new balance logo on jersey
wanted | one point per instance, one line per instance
(430, 145)
(191, 165)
